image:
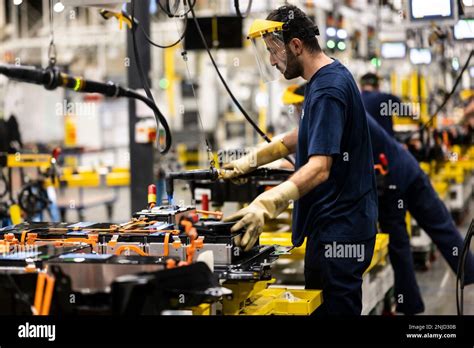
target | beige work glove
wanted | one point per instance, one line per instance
(268, 205)
(259, 156)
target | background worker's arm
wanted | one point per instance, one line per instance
(279, 148)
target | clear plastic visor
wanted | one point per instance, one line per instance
(271, 56)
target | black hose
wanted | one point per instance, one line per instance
(234, 99)
(239, 12)
(167, 9)
(181, 38)
(150, 101)
(460, 274)
(160, 117)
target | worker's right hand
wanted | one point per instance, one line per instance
(262, 155)
(237, 168)
(268, 205)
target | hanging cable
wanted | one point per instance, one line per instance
(232, 96)
(150, 101)
(181, 38)
(460, 274)
(167, 8)
(171, 15)
(160, 118)
(239, 12)
(234, 99)
(445, 101)
(208, 144)
(52, 46)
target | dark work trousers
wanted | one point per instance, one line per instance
(392, 212)
(339, 276)
(434, 218)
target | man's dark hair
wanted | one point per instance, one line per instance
(370, 79)
(297, 25)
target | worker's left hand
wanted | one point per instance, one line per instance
(268, 205)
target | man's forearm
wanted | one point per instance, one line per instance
(313, 174)
(290, 140)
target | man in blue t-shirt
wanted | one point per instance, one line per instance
(409, 188)
(334, 185)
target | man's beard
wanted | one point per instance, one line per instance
(294, 68)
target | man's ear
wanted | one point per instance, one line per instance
(296, 46)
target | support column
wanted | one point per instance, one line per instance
(141, 155)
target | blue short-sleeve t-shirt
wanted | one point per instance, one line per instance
(374, 103)
(334, 123)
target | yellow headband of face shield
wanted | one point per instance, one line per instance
(261, 27)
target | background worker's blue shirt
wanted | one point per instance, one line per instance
(403, 168)
(334, 123)
(375, 102)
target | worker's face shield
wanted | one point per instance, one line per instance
(271, 55)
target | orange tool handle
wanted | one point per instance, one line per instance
(39, 292)
(48, 295)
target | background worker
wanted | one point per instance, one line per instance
(374, 101)
(334, 185)
(410, 190)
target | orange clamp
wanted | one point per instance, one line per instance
(381, 169)
(133, 248)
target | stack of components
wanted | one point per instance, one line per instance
(145, 266)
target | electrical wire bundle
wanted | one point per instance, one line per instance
(460, 281)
